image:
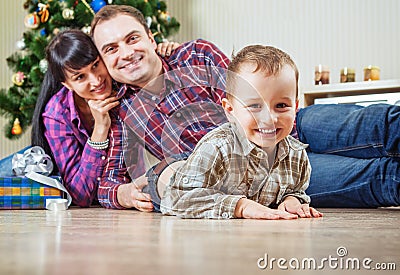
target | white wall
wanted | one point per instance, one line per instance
(12, 16)
(338, 33)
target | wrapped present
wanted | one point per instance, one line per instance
(31, 187)
(20, 192)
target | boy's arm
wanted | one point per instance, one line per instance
(195, 188)
(296, 201)
(302, 181)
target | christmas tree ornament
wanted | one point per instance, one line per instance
(164, 16)
(32, 21)
(63, 4)
(97, 5)
(43, 12)
(20, 44)
(68, 14)
(148, 21)
(43, 65)
(18, 78)
(88, 6)
(16, 129)
(43, 32)
(44, 19)
(86, 29)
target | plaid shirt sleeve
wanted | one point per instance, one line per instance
(80, 166)
(202, 54)
(303, 179)
(196, 188)
(116, 170)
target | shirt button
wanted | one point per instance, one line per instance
(259, 155)
(103, 157)
(153, 98)
(98, 178)
(178, 114)
(185, 180)
(225, 215)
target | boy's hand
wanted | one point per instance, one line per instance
(249, 209)
(293, 205)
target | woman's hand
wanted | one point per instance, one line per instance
(102, 120)
(166, 48)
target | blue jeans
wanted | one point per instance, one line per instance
(354, 153)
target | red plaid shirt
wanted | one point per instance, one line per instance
(173, 122)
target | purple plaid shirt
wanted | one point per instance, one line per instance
(167, 124)
(80, 165)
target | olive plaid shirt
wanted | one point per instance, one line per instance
(225, 167)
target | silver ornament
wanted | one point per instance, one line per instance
(68, 14)
(86, 29)
(20, 44)
(43, 65)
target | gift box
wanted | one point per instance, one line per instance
(20, 192)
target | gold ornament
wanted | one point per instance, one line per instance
(32, 21)
(164, 16)
(43, 12)
(16, 129)
(86, 29)
(68, 14)
(18, 78)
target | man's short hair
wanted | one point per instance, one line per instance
(111, 11)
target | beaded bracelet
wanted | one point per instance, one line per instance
(100, 145)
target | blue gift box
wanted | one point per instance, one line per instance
(25, 193)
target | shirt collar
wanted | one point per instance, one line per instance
(246, 146)
(283, 149)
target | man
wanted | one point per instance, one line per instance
(340, 178)
(190, 81)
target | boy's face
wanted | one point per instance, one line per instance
(264, 106)
(127, 50)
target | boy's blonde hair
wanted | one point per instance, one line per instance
(267, 59)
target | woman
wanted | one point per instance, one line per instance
(71, 119)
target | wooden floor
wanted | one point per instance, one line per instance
(99, 241)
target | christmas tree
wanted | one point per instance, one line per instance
(45, 18)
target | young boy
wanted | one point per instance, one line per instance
(251, 163)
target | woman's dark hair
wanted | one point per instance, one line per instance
(68, 50)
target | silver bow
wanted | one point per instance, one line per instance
(33, 159)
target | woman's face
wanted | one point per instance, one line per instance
(90, 82)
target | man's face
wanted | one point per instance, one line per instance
(127, 50)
